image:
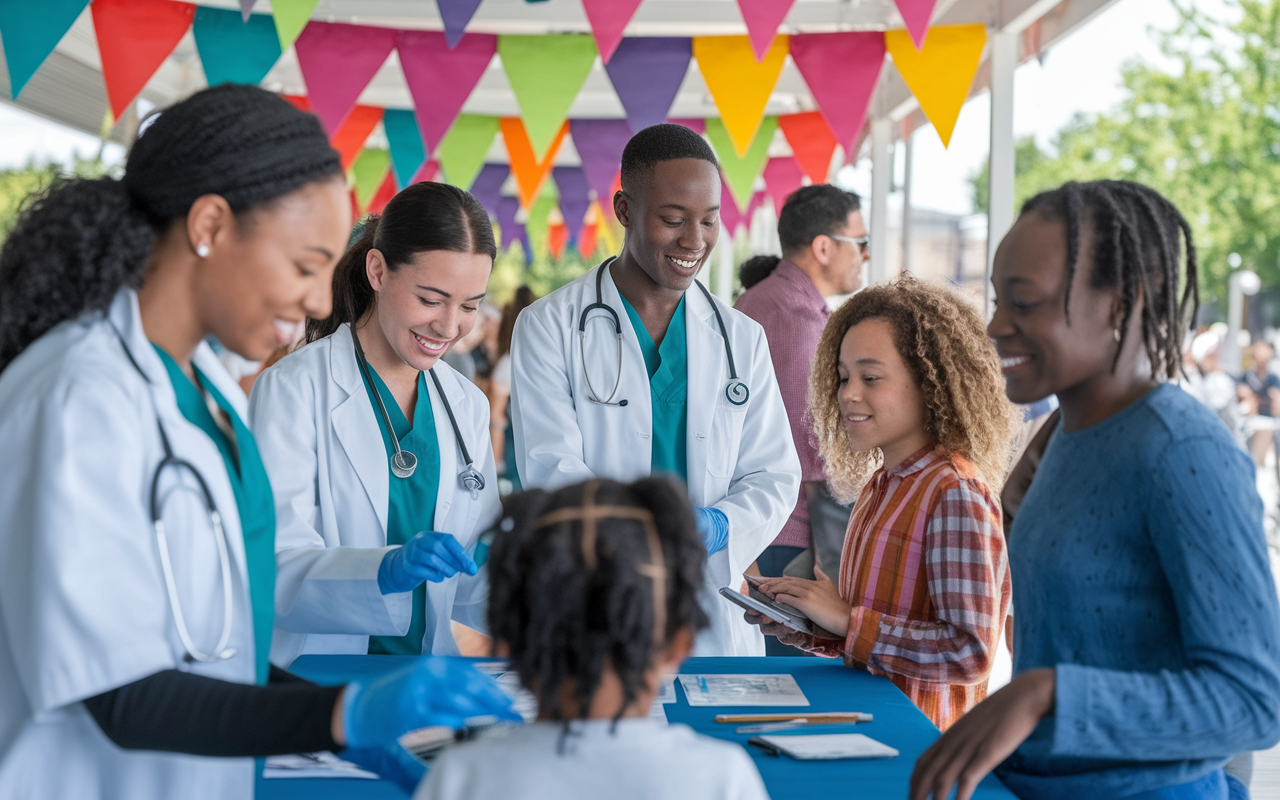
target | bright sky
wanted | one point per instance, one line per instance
(1082, 73)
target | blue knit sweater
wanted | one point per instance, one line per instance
(1140, 574)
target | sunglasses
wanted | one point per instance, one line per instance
(861, 243)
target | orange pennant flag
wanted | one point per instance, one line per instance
(557, 238)
(349, 139)
(529, 171)
(812, 143)
(940, 73)
(738, 83)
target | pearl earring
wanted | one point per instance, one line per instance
(1116, 333)
(202, 250)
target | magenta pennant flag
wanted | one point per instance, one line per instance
(600, 143)
(782, 176)
(730, 215)
(608, 20)
(338, 61)
(487, 187)
(441, 79)
(763, 18)
(696, 124)
(246, 8)
(647, 73)
(575, 197)
(916, 15)
(841, 70)
(455, 14)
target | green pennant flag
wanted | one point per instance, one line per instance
(291, 17)
(368, 172)
(462, 152)
(741, 173)
(546, 73)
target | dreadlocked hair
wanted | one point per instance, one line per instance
(77, 243)
(597, 575)
(944, 343)
(1137, 239)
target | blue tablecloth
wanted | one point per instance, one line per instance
(829, 686)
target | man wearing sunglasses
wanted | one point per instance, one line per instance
(824, 247)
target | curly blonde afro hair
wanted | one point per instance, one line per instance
(944, 343)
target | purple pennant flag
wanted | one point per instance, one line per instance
(487, 187)
(575, 197)
(246, 8)
(455, 14)
(508, 207)
(522, 235)
(600, 143)
(647, 73)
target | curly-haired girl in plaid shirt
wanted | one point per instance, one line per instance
(906, 389)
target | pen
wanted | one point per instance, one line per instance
(813, 719)
(772, 726)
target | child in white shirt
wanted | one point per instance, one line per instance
(593, 598)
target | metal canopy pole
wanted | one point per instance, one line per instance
(1004, 59)
(881, 180)
(906, 195)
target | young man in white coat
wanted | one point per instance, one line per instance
(635, 368)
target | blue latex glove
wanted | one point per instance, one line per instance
(434, 690)
(714, 527)
(392, 763)
(429, 556)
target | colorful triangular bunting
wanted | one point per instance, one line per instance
(291, 17)
(841, 70)
(940, 74)
(368, 172)
(739, 85)
(530, 172)
(246, 8)
(811, 141)
(508, 210)
(134, 39)
(696, 124)
(600, 143)
(407, 152)
(608, 20)
(235, 50)
(763, 18)
(546, 73)
(741, 173)
(384, 194)
(337, 62)
(455, 14)
(441, 79)
(575, 197)
(646, 73)
(590, 236)
(731, 215)
(462, 152)
(782, 176)
(487, 186)
(916, 15)
(30, 34)
(350, 138)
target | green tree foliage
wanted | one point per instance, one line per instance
(19, 184)
(1206, 135)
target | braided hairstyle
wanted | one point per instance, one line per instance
(1138, 237)
(77, 243)
(597, 575)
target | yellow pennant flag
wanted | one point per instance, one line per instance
(940, 73)
(739, 85)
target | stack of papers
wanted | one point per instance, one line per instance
(743, 690)
(313, 765)
(824, 746)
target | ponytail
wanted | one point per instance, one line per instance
(423, 217)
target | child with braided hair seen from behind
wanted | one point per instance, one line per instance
(594, 599)
(906, 391)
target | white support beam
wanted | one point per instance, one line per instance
(906, 199)
(1004, 59)
(725, 268)
(881, 181)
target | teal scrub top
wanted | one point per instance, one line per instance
(411, 502)
(668, 368)
(254, 501)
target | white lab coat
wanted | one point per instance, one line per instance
(320, 441)
(83, 605)
(741, 459)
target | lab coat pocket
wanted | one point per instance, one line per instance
(726, 436)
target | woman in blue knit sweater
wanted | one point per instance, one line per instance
(1147, 632)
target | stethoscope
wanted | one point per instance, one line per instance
(403, 463)
(735, 391)
(156, 505)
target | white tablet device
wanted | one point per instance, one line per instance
(770, 609)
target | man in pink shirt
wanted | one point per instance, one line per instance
(824, 245)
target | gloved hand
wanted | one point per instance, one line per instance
(434, 690)
(392, 763)
(429, 556)
(714, 527)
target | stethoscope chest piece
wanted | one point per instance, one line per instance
(736, 392)
(403, 463)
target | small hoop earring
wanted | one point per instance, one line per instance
(202, 250)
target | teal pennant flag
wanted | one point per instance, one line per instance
(405, 141)
(30, 31)
(233, 50)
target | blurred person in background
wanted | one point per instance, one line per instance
(1260, 391)
(500, 387)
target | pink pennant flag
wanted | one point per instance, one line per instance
(696, 124)
(337, 62)
(730, 214)
(763, 18)
(441, 79)
(782, 176)
(608, 20)
(916, 14)
(841, 70)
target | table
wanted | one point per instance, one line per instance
(829, 685)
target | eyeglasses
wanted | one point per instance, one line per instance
(861, 243)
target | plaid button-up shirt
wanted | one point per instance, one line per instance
(925, 569)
